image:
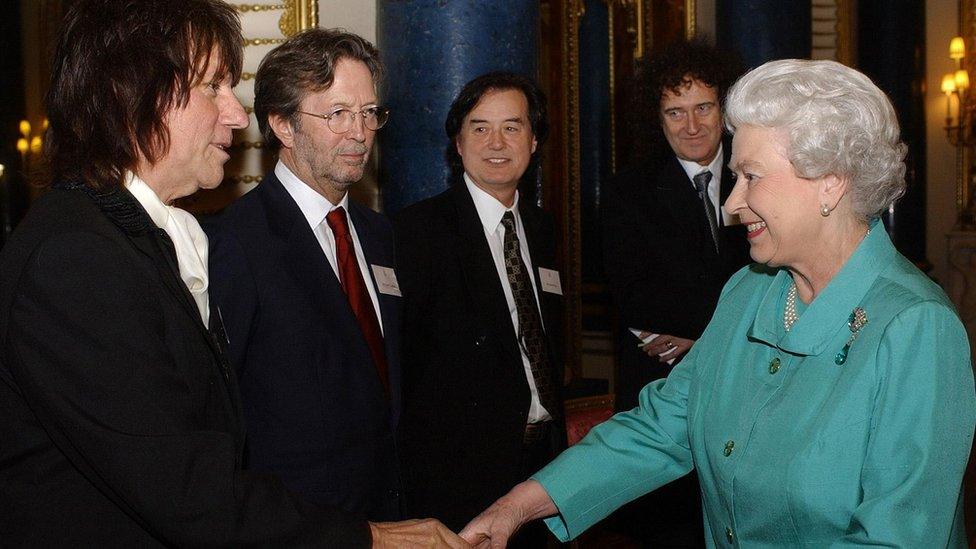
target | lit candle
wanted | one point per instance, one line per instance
(948, 88)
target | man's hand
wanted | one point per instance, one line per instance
(671, 347)
(427, 533)
(495, 526)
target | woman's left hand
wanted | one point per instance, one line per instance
(667, 347)
(493, 527)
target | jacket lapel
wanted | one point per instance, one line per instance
(389, 308)
(480, 274)
(734, 247)
(303, 256)
(305, 261)
(681, 201)
(532, 224)
(541, 253)
(728, 178)
(126, 213)
(159, 247)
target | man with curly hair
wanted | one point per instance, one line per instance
(668, 245)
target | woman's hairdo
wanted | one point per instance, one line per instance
(838, 123)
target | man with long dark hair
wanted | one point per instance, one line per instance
(120, 417)
(482, 322)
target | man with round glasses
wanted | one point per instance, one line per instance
(304, 280)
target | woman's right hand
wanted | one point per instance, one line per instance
(496, 525)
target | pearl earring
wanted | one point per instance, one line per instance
(824, 210)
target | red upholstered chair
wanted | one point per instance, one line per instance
(584, 413)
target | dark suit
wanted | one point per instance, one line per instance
(665, 277)
(315, 408)
(119, 416)
(466, 396)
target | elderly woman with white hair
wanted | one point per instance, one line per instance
(830, 401)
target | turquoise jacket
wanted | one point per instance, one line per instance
(791, 447)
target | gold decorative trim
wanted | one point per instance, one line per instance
(583, 404)
(299, 15)
(245, 8)
(846, 45)
(572, 14)
(611, 50)
(691, 18)
(246, 179)
(248, 145)
(263, 41)
(247, 76)
(965, 186)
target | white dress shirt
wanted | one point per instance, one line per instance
(188, 238)
(491, 211)
(714, 186)
(315, 207)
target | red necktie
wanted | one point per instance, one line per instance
(355, 288)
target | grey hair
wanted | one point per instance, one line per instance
(838, 122)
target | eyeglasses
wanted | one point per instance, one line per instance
(341, 121)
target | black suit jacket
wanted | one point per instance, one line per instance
(466, 397)
(119, 416)
(316, 412)
(661, 264)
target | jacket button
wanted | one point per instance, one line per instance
(774, 366)
(728, 535)
(728, 448)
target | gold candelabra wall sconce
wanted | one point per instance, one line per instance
(30, 145)
(959, 131)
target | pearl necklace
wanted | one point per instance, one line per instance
(789, 312)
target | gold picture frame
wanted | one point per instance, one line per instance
(559, 70)
(298, 16)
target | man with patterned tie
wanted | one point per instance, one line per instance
(304, 280)
(669, 247)
(482, 313)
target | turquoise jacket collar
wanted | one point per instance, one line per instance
(828, 313)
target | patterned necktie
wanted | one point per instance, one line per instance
(531, 337)
(701, 185)
(355, 288)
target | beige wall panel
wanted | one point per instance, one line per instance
(941, 25)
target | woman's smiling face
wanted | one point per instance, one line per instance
(779, 209)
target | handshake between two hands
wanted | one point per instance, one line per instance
(489, 530)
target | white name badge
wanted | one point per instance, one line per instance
(550, 281)
(386, 280)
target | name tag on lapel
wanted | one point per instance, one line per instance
(386, 280)
(550, 281)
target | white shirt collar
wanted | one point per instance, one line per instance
(490, 210)
(313, 205)
(715, 166)
(143, 193)
(189, 241)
